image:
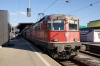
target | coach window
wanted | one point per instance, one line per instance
(73, 24)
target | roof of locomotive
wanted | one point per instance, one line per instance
(57, 15)
(65, 15)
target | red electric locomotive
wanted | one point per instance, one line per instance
(58, 34)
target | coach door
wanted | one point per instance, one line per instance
(96, 36)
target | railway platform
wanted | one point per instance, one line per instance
(92, 46)
(22, 53)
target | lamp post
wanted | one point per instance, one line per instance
(29, 3)
(28, 9)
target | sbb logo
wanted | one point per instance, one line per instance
(66, 34)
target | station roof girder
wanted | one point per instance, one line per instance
(21, 26)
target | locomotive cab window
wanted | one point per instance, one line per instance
(58, 24)
(49, 25)
(73, 25)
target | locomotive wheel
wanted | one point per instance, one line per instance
(52, 54)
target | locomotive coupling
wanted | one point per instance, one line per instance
(63, 48)
(67, 48)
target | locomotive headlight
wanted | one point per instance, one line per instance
(76, 39)
(55, 40)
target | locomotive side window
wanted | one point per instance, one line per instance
(49, 25)
(39, 26)
(58, 24)
(73, 25)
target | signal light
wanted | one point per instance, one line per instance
(28, 12)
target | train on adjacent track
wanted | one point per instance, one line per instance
(57, 34)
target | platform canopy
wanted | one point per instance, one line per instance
(82, 27)
(21, 26)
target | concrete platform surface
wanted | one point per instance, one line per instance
(22, 53)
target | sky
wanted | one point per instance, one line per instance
(18, 9)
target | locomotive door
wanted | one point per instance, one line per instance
(96, 36)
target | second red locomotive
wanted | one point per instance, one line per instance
(58, 34)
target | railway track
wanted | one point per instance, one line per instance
(91, 54)
(88, 59)
(82, 59)
(71, 62)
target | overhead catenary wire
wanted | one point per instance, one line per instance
(91, 14)
(85, 7)
(50, 6)
(64, 5)
(38, 7)
(61, 8)
(73, 11)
